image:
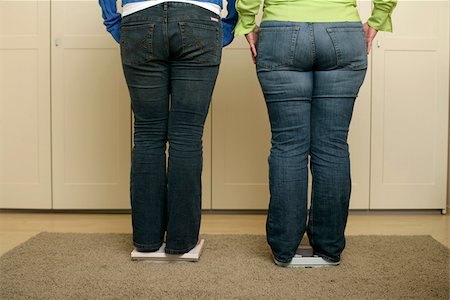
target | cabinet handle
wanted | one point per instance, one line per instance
(378, 44)
(57, 42)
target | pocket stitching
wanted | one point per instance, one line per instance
(332, 33)
(198, 42)
(295, 30)
(146, 43)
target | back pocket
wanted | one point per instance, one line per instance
(276, 46)
(136, 43)
(201, 43)
(350, 46)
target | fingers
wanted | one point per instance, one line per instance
(252, 39)
(253, 51)
(370, 34)
(367, 36)
(252, 43)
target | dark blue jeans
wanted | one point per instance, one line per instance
(170, 56)
(310, 74)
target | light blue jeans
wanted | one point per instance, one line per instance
(310, 74)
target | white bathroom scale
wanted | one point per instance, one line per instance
(306, 258)
(161, 256)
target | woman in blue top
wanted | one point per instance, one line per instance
(170, 51)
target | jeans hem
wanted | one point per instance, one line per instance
(282, 261)
(148, 247)
(180, 251)
(328, 258)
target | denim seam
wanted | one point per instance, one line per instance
(131, 181)
(130, 19)
(311, 218)
(335, 96)
(293, 44)
(311, 30)
(336, 48)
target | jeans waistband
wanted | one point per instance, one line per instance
(269, 23)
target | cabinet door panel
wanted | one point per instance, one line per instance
(410, 109)
(241, 136)
(90, 112)
(240, 133)
(25, 164)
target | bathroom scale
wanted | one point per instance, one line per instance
(305, 257)
(161, 256)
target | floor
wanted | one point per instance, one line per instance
(16, 228)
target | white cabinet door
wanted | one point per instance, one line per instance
(91, 112)
(25, 163)
(240, 136)
(410, 109)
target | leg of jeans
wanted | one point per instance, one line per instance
(148, 165)
(284, 72)
(330, 163)
(341, 62)
(191, 96)
(288, 104)
(147, 76)
(194, 70)
(330, 169)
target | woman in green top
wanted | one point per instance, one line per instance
(311, 59)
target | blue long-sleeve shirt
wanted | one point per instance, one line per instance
(112, 19)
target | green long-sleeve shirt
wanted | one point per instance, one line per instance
(312, 11)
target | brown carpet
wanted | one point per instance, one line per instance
(98, 266)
